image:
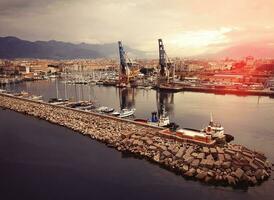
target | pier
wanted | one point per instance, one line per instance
(230, 164)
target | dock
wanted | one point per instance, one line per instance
(229, 164)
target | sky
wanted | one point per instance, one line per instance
(187, 27)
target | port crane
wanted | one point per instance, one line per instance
(127, 71)
(166, 68)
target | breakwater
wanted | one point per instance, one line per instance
(231, 164)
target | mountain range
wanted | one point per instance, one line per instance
(13, 47)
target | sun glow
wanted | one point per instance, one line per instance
(200, 38)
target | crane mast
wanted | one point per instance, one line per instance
(125, 65)
(166, 67)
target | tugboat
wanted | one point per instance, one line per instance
(163, 120)
(217, 131)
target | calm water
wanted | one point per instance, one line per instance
(44, 161)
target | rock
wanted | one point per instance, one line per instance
(209, 163)
(231, 180)
(194, 155)
(226, 165)
(189, 150)
(201, 156)
(163, 148)
(217, 164)
(213, 150)
(221, 157)
(210, 173)
(189, 159)
(203, 162)
(206, 150)
(190, 172)
(166, 153)
(156, 158)
(180, 153)
(201, 175)
(239, 173)
(227, 157)
(229, 152)
(185, 168)
(195, 163)
(253, 165)
(149, 142)
(209, 157)
(258, 174)
(208, 179)
(220, 150)
(152, 147)
(253, 180)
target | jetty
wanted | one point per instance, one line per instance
(228, 164)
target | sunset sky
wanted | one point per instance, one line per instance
(187, 27)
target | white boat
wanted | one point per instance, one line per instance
(34, 97)
(115, 113)
(101, 108)
(107, 110)
(163, 121)
(148, 88)
(214, 129)
(127, 112)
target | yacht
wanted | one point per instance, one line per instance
(127, 112)
(107, 110)
(115, 113)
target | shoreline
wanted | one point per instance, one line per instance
(233, 165)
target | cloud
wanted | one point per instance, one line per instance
(187, 27)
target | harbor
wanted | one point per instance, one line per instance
(224, 164)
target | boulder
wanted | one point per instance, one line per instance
(213, 150)
(210, 163)
(180, 153)
(201, 156)
(189, 150)
(195, 163)
(231, 180)
(209, 157)
(208, 179)
(239, 173)
(201, 175)
(190, 172)
(226, 165)
(259, 174)
(221, 157)
(152, 147)
(220, 150)
(166, 154)
(185, 168)
(206, 150)
(189, 159)
(253, 180)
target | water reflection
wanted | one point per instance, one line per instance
(165, 102)
(127, 97)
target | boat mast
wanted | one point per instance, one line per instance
(57, 91)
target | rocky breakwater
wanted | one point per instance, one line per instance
(227, 164)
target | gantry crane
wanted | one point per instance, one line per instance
(166, 70)
(127, 71)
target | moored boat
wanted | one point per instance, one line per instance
(127, 112)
